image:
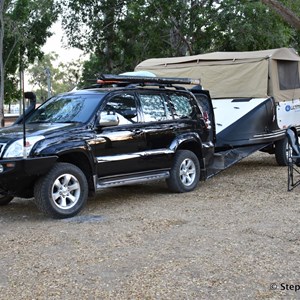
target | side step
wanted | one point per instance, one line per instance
(225, 159)
(131, 178)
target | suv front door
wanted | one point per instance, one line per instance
(119, 149)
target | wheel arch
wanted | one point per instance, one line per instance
(83, 162)
(191, 143)
(294, 129)
(63, 192)
(185, 173)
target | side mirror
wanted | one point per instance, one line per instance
(32, 102)
(107, 119)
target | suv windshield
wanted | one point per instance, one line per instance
(66, 109)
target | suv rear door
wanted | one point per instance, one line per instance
(158, 123)
(167, 116)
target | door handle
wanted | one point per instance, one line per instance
(137, 131)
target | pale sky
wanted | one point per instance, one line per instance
(56, 44)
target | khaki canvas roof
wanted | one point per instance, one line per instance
(273, 72)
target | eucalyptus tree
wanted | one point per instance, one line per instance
(119, 34)
(1, 63)
(38, 74)
(24, 28)
(287, 10)
(250, 25)
(64, 76)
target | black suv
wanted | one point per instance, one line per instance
(127, 130)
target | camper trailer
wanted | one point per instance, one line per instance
(255, 95)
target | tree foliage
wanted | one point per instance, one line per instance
(24, 27)
(64, 76)
(286, 11)
(27, 26)
(119, 34)
(249, 26)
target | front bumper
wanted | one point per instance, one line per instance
(18, 175)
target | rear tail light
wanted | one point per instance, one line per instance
(206, 120)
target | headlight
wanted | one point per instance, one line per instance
(16, 148)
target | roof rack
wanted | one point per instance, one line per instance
(107, 78)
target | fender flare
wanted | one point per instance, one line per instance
(189, 141)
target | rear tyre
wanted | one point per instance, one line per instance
(281, 152)
(185, 173)
(4, 199)
(63, 192)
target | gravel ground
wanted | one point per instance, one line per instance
(232, 238)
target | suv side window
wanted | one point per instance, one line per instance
(124, 106)
(155, 108)
(182, 106)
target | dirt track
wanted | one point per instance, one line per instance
(232, 238)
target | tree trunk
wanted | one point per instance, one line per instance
(284, 12)
(2, 73)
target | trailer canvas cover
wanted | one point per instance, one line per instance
(255, 74)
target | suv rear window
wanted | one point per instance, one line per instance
(182, 106)
(155, 108)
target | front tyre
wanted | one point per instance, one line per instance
(185, 173)
(63, 192)
(4, 199)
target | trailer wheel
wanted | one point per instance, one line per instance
(4, 199)
(62, 192)
(281, 152)
(185, 173)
